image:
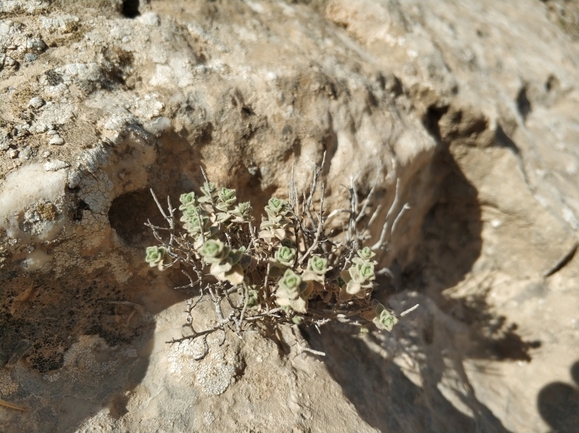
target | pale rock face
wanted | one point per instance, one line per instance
(471, 106)
(24, 189)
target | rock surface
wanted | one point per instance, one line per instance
(471, 105)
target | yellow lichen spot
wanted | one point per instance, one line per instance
(47, 211)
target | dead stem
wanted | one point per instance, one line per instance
(13, 406)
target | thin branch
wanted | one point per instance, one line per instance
(191, 282)
(266, 284)
(293, 194)
(309, 215)
(373, 217)
(252, 231)
(393, 206)
(354, 192)
(302, 349)
(319, 231)
(13, 406)
(154, 227)
(336, 212)
(171, 214)
(242, 314)
(385, 271)
(313, 187)
(197, 334)
(158, 204)
(410, 310)
(369, 196)
(395, 223)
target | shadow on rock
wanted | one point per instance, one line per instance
(437, 338)
(451, 244)
(386, 398)
(558, 404)
(77, 341)
(69, 344)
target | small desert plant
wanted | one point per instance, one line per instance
(289, 270)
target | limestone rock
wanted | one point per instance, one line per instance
(471, 106)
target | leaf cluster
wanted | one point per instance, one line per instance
(287, 270)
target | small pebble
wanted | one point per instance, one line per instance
(37, 45)
(55, 165)
(149, 19)
(29, 57)
(40, 128)
(51, 132)
(21, 129)
(12, 153)
(56, 140)
(36, 102)
(46, 153)
(25, 153)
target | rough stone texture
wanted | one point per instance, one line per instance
(471, 104)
